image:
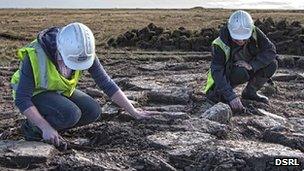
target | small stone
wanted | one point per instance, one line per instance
(220, 112)
(271, 115)
(284, 77)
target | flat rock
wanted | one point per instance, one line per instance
(22, 153)
(173, 115)
(145, 83)
(174, 140)
(243, 155)
(167, 118)
(166, 108)
(220, 112)
(293, 140)
(260, 155)
(254, 126)
(153, 67)
(89, 161)
(207, 126)
(170, 95)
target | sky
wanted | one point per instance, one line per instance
(230, 4)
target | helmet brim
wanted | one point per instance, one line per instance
(241, 36)
(78, 65)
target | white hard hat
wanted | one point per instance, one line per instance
(76, 45)
(240, 25)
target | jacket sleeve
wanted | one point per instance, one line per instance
(102, 79)
(222, 85)
(267, 52)
(26, 86)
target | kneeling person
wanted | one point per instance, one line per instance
(44, 88)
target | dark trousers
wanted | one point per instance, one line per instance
(63, 112)
(239, 75)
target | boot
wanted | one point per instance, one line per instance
(250, 91)
(31, 132)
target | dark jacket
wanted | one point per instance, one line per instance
(47, 39)
(262, 50)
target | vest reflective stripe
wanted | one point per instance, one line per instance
(46, 75)
(223, 46)
(226, 49)
(42, 65)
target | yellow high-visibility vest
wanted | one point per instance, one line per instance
(46, 76)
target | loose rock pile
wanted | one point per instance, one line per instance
(287, 36)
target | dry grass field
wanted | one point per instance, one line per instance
(18, 27)
(167, 82)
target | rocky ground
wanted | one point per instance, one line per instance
(188, 135)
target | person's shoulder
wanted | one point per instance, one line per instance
(224, 35)
(259, 31)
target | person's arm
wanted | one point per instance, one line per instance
(121, 100)
(24, 103)
(102, 79)
(267, 52)
(48, 132)
(105, 83)
(219, 75)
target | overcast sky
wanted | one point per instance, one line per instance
(240, 4)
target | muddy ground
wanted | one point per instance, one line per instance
(179, 139)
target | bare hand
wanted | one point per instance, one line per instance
(236, 105)
(243, 64)
(51, 135)
(142, 114)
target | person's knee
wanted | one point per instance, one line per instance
(73, 118)
(268, 71)
(271, 68)
(94, 112)
(239, 75)
(67, 118)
